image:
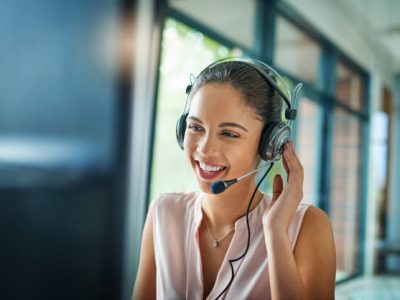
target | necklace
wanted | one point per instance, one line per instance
(216, 242)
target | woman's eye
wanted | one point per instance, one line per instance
(230, 134)
(194, 127)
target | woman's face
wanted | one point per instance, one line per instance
(222, 135)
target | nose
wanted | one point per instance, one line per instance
(207, 145)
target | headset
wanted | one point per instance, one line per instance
(274, 134)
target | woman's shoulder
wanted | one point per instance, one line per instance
(300, 214)
(175, 200)
(306, 215)
(315, 225)
(315, 245)
(316, 217)
(310, 215)
(178, 208)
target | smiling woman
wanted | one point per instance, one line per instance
(285, 249)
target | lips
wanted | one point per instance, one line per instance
(212, 173)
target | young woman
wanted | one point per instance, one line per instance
(201, 245)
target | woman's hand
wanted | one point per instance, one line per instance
(285, 201)
(310, 266)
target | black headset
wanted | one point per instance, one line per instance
(274, 134)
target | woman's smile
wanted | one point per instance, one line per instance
(209, 172)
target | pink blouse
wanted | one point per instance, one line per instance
(177, 217)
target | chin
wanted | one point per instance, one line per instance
(205, 187)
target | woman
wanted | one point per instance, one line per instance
(201, 245)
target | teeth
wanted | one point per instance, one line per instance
(210, 168)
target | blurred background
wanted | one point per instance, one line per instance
(90, 92)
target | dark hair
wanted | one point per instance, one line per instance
(258, 92)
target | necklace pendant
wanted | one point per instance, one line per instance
(215, 243)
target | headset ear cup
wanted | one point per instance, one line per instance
(264, 140)
(273, 137)
(180, 129)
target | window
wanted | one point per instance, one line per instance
(349, 86)
(295, 52)
(381, 124)
(299, 55)
(345, 191)
(308, 139)
(233, 19)
(184, 51)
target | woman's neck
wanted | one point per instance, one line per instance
(223, 210)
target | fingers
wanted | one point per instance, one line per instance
(291, 160)
(284, 159)
(294, 166)
(277, 187)
(300, 165)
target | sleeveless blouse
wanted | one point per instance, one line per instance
(176, 221)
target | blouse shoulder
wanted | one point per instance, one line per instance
(296, 223)
(175, 201)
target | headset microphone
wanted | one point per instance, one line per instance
(220, 186)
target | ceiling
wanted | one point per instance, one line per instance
(377, 21)
(380, 20)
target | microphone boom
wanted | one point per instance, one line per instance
(220, 186)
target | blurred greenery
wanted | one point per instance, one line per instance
(184, 51)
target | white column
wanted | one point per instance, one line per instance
(372, 187)
(146, 47)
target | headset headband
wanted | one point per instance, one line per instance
(290, 112)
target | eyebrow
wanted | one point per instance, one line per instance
(224, 124)
(232, 124)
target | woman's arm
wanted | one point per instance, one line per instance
(309, 272)
(315, 255)
(145, 285)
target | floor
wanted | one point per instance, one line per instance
(382, 287)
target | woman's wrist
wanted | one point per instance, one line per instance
(275, 231)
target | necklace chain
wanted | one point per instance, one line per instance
(216, 242)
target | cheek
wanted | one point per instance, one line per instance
(186, 140)
(247, 153)
(188, 144)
